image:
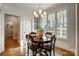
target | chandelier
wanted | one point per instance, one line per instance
(40, 13)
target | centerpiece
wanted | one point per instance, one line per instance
(40, 32)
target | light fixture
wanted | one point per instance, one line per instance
(40, 13)
(34, 12)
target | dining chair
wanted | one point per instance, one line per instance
(33, 34)
(50, 46)
(29, 44)
(33, 37)
(30, 37)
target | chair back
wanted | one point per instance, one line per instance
(48, 35)
(32, 35)
(53, 39)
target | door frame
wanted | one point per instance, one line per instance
(19, 17)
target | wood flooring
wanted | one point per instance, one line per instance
(12, 48)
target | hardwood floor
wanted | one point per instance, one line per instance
(11, 43)
(12, 48)
(12, 52)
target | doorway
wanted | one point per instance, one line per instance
(12, 31)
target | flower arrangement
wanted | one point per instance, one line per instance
(42, 30)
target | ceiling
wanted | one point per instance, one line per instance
(29, 7)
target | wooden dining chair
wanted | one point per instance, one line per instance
(30, 37)
(33, 37)
(50, 46)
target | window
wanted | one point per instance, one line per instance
(34, 24)
(62, 23)
(43, 21)
(51, 22)
(57, 23)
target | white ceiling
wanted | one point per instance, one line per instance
(29, 7)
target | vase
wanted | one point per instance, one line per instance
(40, 36)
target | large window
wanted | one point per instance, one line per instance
(43, 21)
(51, 22)
(34, 24)
(57, 23)
(62, 23)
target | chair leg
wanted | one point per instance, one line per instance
(50, 53)
(53, 51)
(28, 52)
(46, 53)
(33, 52)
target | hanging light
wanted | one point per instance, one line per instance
(44, 13)
(40, 13)
(34, 13)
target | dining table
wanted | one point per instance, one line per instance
(40, 44)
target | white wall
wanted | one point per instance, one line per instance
(69, 43)
(1, 31)
(26, 27)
